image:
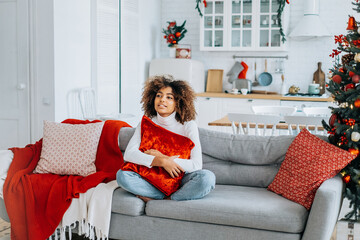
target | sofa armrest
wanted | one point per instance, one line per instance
(3, 213)
(325, 210)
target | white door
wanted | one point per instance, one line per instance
(14, 74)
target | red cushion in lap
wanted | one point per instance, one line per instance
(166, 142)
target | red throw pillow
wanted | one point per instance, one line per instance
(309, 161)
(166, 142)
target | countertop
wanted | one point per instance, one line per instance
(265, 96)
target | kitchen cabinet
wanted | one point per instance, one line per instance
(241, 25)
(211, 109)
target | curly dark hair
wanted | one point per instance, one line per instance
(184, 97)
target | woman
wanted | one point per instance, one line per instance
(169, 104)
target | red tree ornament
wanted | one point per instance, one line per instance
(349, 86)
(337, 79)
(333, 118)
(357, 103)
(351, 24)
(346, 178)
(351, 74)
(355, 78)
(353, 151)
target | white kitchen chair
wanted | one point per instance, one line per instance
(274, 110)
(304, 122)
(88, 103)
(74, 109)
(254, 119)
(317, 111)
(87, 99)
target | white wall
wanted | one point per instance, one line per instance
(140, 42)
(41, 65)
(72, 50)
(303, 55)
(106, 56)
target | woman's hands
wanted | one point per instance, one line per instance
(166, 162)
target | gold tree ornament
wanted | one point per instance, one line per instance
(357, 57)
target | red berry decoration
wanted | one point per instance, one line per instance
(355, 78)
(177, 34)
(349, 86)
(337, 79)
(357, 103)
(346, 178)
(351, 74)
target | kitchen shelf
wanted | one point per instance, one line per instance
(264, 96)
(237, 56)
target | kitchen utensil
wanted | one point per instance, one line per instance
(244, 91)
(314, 88)
(265, 78)
(262, 92)
(243, 83)
(255, 83)
(234, 72)
(279, 66)
(234, 91)
(283, 85)
(319, 77)
(214, 80)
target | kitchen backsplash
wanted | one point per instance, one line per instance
(303, 55)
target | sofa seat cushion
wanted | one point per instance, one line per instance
(126, 203)
(240, 206)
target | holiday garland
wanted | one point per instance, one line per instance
(344, 123)
(279, 14)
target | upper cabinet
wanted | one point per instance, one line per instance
(241, 25)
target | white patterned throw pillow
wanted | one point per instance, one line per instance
(69, 149)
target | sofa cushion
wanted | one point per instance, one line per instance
(236, 206)
(245, 149)
(69, 149)
(309, 162)
(243, 159)
(125, 135)
(126, 203)
(230, 173)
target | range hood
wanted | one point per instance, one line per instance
(310, 25)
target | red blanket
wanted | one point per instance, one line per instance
(36, 203)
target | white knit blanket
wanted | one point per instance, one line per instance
(90, 212)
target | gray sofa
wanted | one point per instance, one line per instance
(240, 206)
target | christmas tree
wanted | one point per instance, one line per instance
(344, 123)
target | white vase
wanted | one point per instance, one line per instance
(172, 51)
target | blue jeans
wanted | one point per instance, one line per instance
(193, 186)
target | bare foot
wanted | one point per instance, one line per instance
(145, 199)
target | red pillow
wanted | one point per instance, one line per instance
(309, 161)
(166, 142)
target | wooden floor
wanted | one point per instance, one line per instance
(4, 228)
(5, 232)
